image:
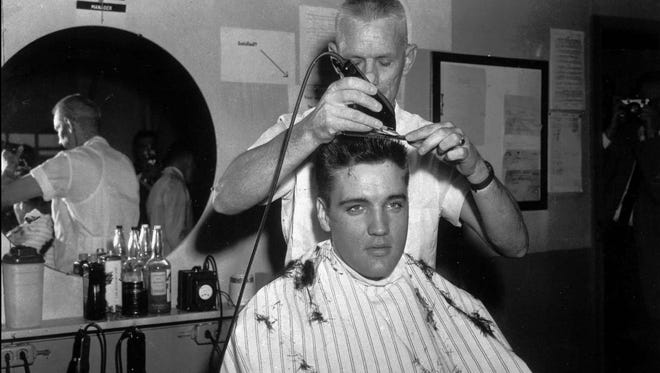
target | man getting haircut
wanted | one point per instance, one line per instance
(356, 302)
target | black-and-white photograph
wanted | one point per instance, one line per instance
(330, 186)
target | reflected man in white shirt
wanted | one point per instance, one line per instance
(92, 186)
(169, 204)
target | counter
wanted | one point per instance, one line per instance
(173, 342)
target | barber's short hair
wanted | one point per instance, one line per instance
(79, 109)
(371, 10)
(347, 151)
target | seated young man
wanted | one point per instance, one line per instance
(357, 303)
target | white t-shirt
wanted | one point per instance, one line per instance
(435, 189)
(93, 188)
(169, 206)
(338, 321)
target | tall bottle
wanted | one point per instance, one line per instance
(159, 274)
(113, 264)
(119, 243)
(144, 239)
(134, 293)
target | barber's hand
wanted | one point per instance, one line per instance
(332, 114)
(449, 144)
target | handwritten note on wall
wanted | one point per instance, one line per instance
(567, 90)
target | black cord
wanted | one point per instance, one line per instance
(7, 362)
(271, 193)
(100, 334)
(26, 365)
(210, 260)
(118, 365)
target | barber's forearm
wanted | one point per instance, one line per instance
(501, 219)
(247, 180)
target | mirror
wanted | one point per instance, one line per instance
(138, 85)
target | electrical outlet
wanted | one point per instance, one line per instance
(14, 352)
(199, 332)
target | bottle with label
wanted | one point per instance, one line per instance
(144, 239)
(95, 303)
(119, 243)
(113, 280)
(134, 293)
(159, 274)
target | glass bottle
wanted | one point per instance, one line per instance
(134, 294)
(119, 243)
(159, 275)
(113, 264)
(144, 239)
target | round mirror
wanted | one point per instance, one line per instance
(149, 103)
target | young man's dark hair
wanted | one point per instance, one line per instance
(345, 151)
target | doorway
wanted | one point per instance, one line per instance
(625, 53)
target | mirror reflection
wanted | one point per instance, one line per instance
(152, 113)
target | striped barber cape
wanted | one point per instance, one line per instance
(321, 316)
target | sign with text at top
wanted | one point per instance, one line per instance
(101, 6)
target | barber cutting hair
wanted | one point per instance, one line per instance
(356, 303)
(448, 177)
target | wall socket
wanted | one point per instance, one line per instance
(199, 332)
(14, 352)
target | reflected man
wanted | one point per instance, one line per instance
(169, 203)
(92, 187)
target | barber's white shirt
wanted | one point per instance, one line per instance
(435, 189)
(93, 188)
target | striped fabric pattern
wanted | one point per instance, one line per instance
(337, 321)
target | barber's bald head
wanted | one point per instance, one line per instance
(76, 119)
(370, 10)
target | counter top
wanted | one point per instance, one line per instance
(71, 325)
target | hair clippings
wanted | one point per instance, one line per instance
(382, 132)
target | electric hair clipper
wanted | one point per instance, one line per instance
(345, 68)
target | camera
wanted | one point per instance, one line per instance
(634, 106)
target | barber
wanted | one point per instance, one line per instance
(448, 176)
(92, 187)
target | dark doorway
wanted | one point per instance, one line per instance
(625, 53)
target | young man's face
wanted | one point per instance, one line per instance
(377, 49)
(367, 217)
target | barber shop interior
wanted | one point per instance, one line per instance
(330, 186)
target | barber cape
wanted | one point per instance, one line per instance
(322, 316)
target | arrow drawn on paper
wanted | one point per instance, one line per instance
(285, 74)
